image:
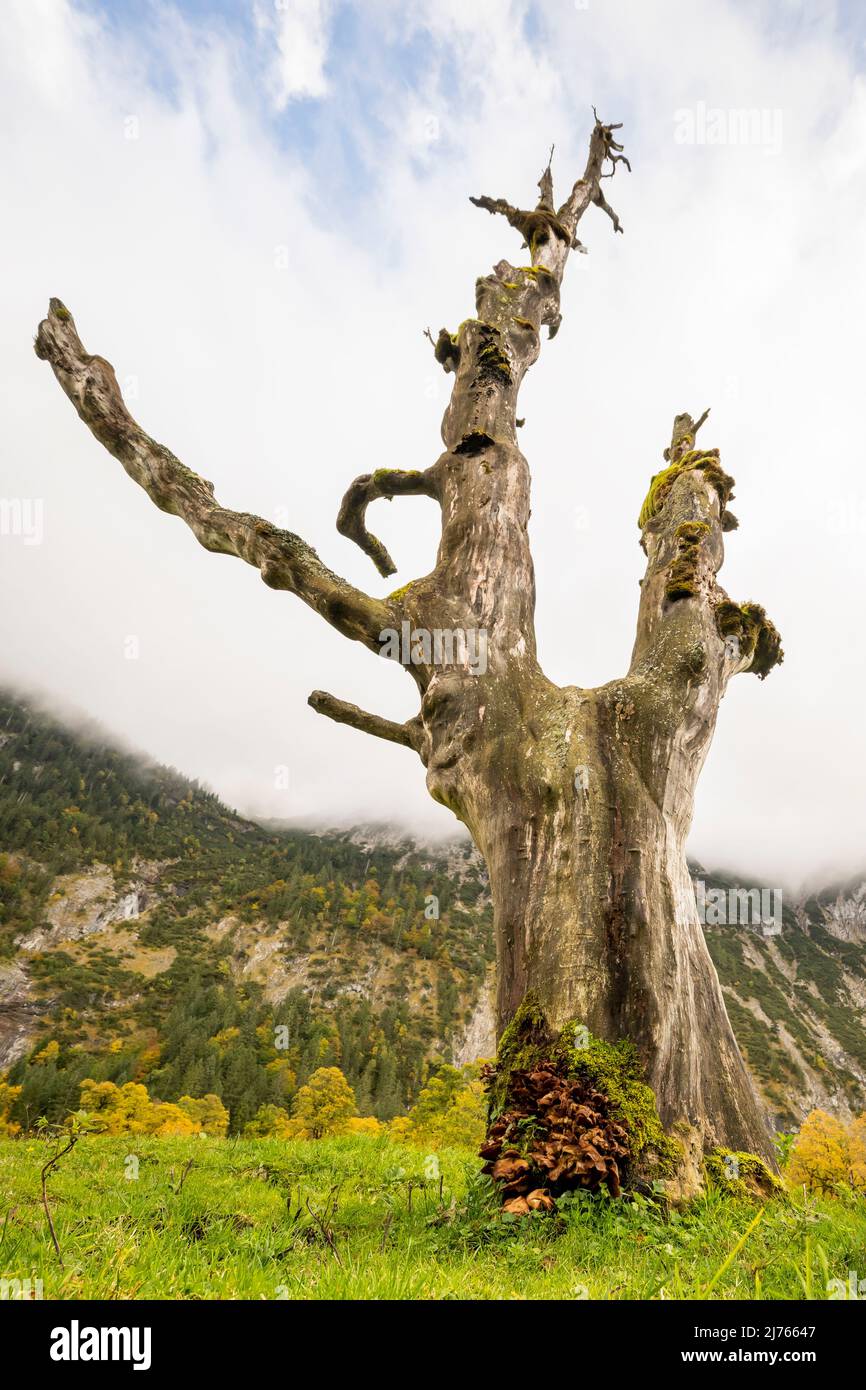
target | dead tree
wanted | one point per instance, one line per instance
(580, 800)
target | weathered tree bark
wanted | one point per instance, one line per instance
(580, 800)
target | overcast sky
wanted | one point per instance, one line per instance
(254, 209)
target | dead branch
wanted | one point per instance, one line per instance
(603, 148)
(183, 1177)
(51, 1164)
(409, 735)
(284, 559)
(388, 483)
(322, 1221)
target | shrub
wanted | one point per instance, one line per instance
(827, 1152)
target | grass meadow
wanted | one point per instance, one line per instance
(363, 1217)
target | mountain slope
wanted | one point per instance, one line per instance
(797, 1000)
(151, 934)
(147, 932)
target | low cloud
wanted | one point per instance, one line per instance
(261, 286)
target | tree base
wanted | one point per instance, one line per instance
(568, 1111)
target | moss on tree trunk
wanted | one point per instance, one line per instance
(580, 800)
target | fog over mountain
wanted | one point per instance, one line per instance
(254, 220)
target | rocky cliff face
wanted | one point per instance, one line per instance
(21, 1013)
(797, 999)
(845, 917)
(383, 942)
(796, 995)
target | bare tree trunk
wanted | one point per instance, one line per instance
(595, 912)
(579, 800)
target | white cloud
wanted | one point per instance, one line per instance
(300, 30)
(739, 284)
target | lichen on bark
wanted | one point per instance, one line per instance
(580, 800)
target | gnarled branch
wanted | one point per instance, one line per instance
(686, 622)
(535, 227)
(284, 559)
(603, 148)
(410, 734)
(538, 226)
(446, 349)
(385, 482)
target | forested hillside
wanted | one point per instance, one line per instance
(148, 933)
(797, 1000)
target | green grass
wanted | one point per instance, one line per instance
(227, 1227)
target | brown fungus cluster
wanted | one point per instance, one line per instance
(555, 1134)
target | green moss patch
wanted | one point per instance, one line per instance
(661, 483)
(399, 594)
(757, 636)
(741, 1174)
(536, 270)
(683, 577)
(381, 476)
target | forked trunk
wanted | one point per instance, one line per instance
(581, 808)
(596, 920)
(579, 800)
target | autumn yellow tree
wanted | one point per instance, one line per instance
(269, 1122)
(207, 1113)
(364, 1124)
(112, 1109)
(166, 1120)
(450, 1110)
(827, 1151)
(8, 1096)
(324, 1106)
(128, 1109)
